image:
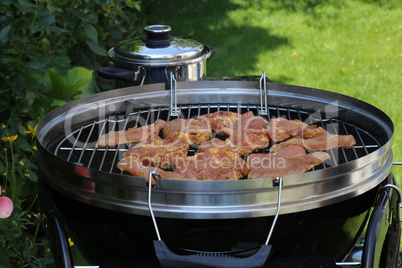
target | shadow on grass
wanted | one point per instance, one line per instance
(297, 6)
(213, 23)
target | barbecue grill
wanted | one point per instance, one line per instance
(114, 217)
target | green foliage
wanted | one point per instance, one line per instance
(48, 51)
(69, 85)
(41, 36)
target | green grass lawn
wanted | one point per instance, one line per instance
(349, 47)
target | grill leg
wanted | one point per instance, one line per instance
(381, 247)
(54, 228)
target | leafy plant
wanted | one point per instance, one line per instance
(48, 51)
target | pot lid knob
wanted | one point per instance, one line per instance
(157, 35)
(158, 49)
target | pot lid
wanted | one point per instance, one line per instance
(158, 47)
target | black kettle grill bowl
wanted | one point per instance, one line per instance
(107, 235)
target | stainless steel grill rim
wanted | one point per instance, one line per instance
(243, 198)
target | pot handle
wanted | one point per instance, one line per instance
(112, 72)
(214, 50)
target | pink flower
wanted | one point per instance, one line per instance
(6, 206)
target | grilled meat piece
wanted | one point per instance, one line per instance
(158, 152)
(131, 135)
(280, 129)
(213, 164)
(214, 144)
(221, 121)
(134, 166)
(272, 165)
(256, 161)
(248, 134)
(290, 151)
(321, 142)
(191, 131)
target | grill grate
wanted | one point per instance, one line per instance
(80, 146)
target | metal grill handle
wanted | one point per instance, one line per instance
(210, 259)
(150, 178)
(276, 182)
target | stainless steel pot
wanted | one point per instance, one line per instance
(151, 59)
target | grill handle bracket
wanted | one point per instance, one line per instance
(173, 96)
(167, 258)
(263, 95)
